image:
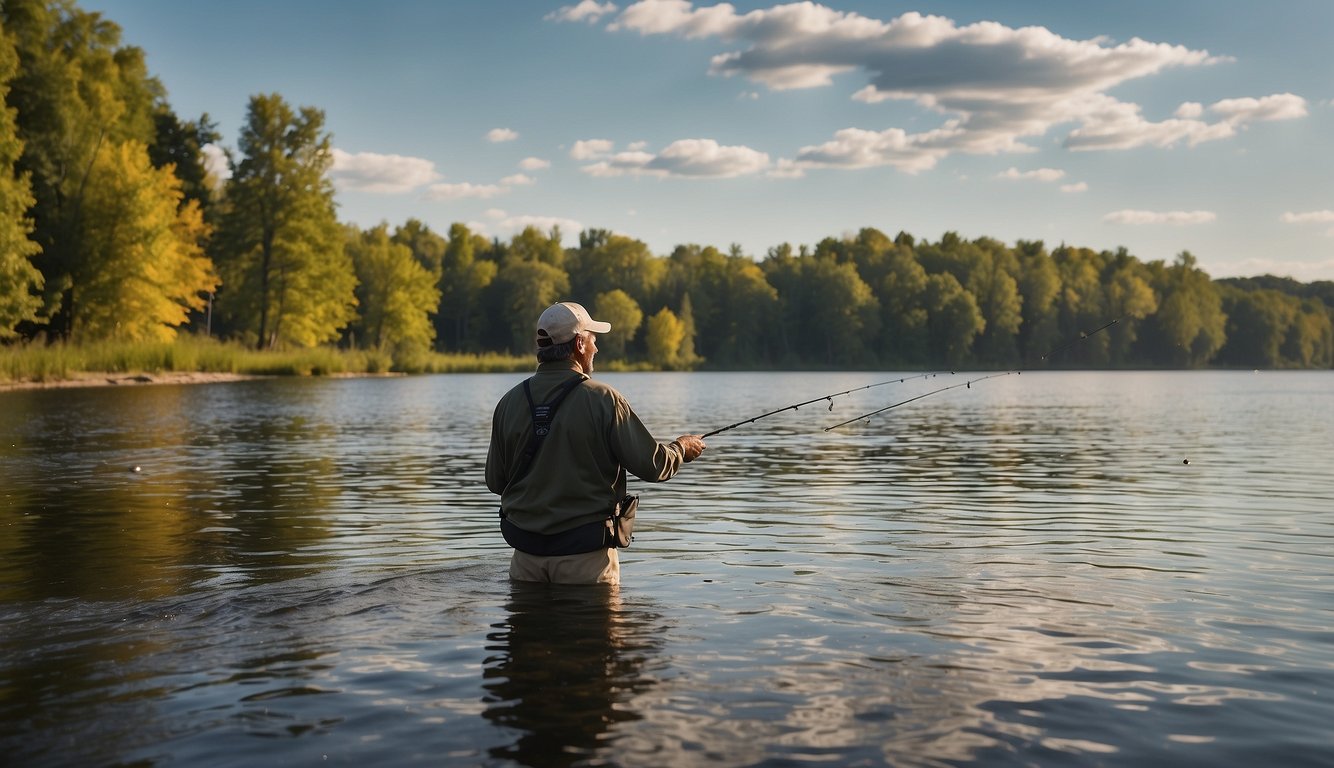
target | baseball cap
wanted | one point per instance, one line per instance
(562, 322)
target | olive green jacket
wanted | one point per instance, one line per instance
(576, 476)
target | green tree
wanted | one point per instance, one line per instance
(1189, 327)
(532, 245)
(605, 261)
(427, 247)
(616, 307)
(664, 337)
(286, 275)
(954, 320)
(1310, 339)
(180, 145)
(395, 294)
(1039, 285)
(78, 92)
(1258, 322)
(1081, 306)
(144, 267)
(20, 280)
(525, 288)
(464, 280)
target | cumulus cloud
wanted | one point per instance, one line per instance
(589, 149)
(1039, 174)
(518, 180)
(1159, 217)
(689, 158)
(384, 174)
(995, 86)
(215, 162)
(534, 164)
(587, 10)
(501, 224)
(1116, 125)
(464, 190)
(499, 135)
(1308, 217)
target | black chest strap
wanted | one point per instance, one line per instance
(543, 414)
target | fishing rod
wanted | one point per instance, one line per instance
(969, 384)
(820, 399)
(1082, 336)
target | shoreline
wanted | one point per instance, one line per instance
(117, 379)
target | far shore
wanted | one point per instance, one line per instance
(117, 379)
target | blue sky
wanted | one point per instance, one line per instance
(1200, 125)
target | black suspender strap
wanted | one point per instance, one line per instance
(542, 415)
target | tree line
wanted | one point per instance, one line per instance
(111, 226)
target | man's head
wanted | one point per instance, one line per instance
(566, 330)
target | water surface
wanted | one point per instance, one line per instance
(1053, 568)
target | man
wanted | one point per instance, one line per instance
(555, 503)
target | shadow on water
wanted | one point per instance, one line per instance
(563, 666)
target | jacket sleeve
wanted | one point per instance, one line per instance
(497, 473)
(638, 451)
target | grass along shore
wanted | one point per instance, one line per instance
(192, 358)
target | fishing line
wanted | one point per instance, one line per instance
(968, 384)
(820, 399)
(1083, 335)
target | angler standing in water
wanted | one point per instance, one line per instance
(561, 444)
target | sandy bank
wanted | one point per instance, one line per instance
(89, 379)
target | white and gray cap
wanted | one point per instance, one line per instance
(562, 322)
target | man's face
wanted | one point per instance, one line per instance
(585, 347)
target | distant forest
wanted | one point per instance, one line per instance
(111, 227)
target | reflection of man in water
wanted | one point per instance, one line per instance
(554, 504)
(561, 670)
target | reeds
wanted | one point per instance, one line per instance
(54, 362)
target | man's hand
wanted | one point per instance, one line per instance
(691, 446)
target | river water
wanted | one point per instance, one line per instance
(1057, 569)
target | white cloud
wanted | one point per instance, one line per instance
(499, 135)
(518, 180)
(1309, 217)
(1279, 106)
(996, 86)
(215, 162)
(385, 174)
(1116, 125)
(1080, 186)
(589, 149)
(534, 164)
(1305, 271)
(1159, 217)
(1039, 174)
(587, 10)
(1190, 110)
(501, 224)
(464, 190)
(690, 158)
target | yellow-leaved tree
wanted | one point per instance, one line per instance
(664, 337)
(143, 267)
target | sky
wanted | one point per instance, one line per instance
(1160, 127)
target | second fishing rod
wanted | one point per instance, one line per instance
(899, 380)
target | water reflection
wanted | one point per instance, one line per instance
(564, 664)
(1011, 574)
